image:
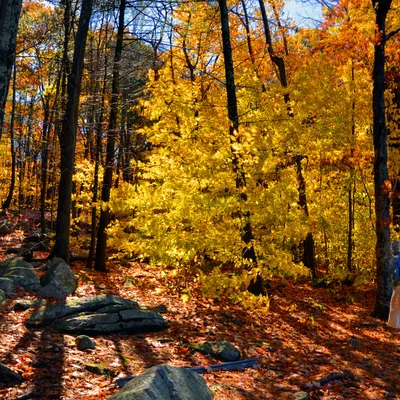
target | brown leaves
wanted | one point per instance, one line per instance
(291, 352)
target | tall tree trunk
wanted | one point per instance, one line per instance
(100, 259)
(96, 184)
(126, 150)
(21, 164)
(308, 243)
(8, 200)
(58, 112)
(384, 272)
(99, 146)
(47, 123)
(280, 68)
(246, 24)
(248, 253)
(9, 17)
(68, 135)
(45, 159)
(352, 183)
(74, 213)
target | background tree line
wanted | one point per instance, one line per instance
(216, 138)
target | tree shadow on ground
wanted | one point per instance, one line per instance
(130, 345)
(14, 354)
(39, 356)
(49, 365)
(329, 337)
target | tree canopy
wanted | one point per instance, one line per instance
(218, 140)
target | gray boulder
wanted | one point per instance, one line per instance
(164, 382)
(7, 286)
(21, 273)
(2, 297)
(223, 350)
(97, 314)
(23, 226)
(84, 342)
(58, 281)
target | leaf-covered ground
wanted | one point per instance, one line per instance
(308, 334)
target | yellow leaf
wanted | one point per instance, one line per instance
(185, 298)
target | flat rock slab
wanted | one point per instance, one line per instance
(97, 314)
(164, 382)
(46, 315)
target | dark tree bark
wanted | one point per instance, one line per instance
(384, 273)
(45, 159)
(308, 243)
(68, 135)
(352, 185)
(101, 248)
(47, 122)
(249, 254)
(98, 151)
(246, 24)
(96, 180)
(9, 17)
(8, 200)
(278, 61)
(126, 146)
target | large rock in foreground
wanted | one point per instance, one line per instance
(20, 273)
(58, 281)
(164, 382)
(97, 314)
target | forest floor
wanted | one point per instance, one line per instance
(308, 334)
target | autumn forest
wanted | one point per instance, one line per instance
(244, 161)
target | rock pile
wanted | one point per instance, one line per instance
(96, 315)
(58, 282)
